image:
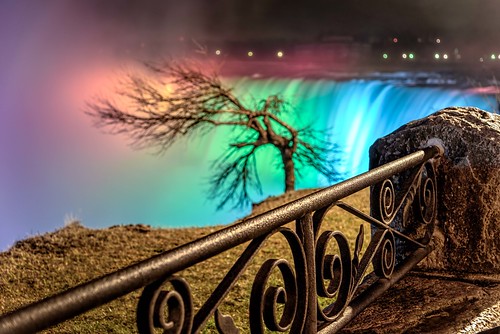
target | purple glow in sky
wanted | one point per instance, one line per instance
(53, 57)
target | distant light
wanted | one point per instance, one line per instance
(481, 59)
(395, 40)
(445, 56)
(436, 55)
(411, 56)
(280, 54)
(385, 56)
(405, 56)
(499, 56)
(218, 52)
(438, 40)
(250, 53)
(493, 57)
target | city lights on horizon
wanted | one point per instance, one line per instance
(346, 49)
(279, 53)
(390, 55)
(410, 55)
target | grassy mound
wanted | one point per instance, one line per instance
(44, 265)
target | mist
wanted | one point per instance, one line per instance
(55, 55)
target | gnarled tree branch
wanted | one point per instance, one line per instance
(184, 100)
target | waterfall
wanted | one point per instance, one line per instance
(102, 182)
(356, 112)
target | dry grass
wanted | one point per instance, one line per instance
(41, 266)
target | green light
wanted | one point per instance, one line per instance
(385, 56)
(411, 56)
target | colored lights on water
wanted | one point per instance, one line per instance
(105, 183)
(357, 112)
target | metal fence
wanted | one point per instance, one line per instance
(403, 209)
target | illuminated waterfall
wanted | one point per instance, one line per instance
(357, 112)
(102, 182)
(172, 191)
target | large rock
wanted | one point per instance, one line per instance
(467, 235)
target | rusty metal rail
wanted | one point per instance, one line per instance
(406, 183)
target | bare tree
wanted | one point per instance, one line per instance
(185, 100)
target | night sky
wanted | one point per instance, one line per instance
(149, 29)
(275, 19)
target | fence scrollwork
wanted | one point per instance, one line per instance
(155, 303)
(323, 266)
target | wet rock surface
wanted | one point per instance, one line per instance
(456, 289)
(467, 235)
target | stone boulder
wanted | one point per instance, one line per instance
(467, 232)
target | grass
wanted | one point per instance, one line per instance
(44, 265)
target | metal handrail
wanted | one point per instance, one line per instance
(84, 297)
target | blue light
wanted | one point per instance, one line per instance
(127, 186)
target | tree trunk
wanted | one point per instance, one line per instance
(289, 168)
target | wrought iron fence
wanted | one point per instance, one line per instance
(403, 209)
